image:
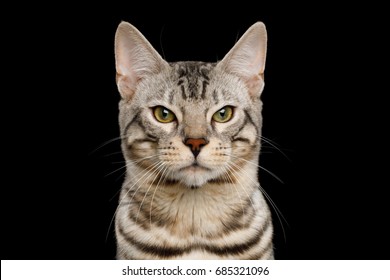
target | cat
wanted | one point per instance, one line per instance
(191, 141)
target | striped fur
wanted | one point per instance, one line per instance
(174, 203)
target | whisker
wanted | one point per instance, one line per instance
(106, 143)
(234, 185)
(263, 146)
(240, 146)
(273, 144)
(142, 149)
(259, 166)
(277, 211)
(230, 181)
(116, 170)
(156, 166)
(112, 154)
(129, 162)
(243, 188)
(226, 178)
(118, 162)
(265, 152)
(160, 169)
(151, 170)
(272, 174)
(154, 193)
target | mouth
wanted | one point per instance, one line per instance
(194, 167)
(194, 175)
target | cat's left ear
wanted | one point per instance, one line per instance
(247, 58)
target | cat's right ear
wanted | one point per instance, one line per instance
(135, 58)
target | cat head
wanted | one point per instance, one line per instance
(192, 122)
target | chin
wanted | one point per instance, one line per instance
(195, 181)
(192, 176)
(195, 176)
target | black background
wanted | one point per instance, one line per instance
(322, 107)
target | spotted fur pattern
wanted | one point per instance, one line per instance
(176, 204)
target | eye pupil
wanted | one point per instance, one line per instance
(223, 115)
(163, 114)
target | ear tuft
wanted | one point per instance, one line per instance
(135, 58)
(247, 58)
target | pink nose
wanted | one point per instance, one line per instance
(195, 144)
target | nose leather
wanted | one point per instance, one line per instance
(195, 144)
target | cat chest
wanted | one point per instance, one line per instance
(189, 216)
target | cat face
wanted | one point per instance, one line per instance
(190, 122)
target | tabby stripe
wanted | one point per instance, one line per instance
(191, 67)
(205, 72)
(242, 140)
(204, 86)
(215, 97)
(168, 251)
(260, 255)
(149, 138)
(182, 71)
(153, 140)
(162, 251)
(127, 127)
(236, 223)
(144, 218)
(193, 88)
(140, 221)
(233, 225)
(235, 249)
(141, 124)
(164, 181)
(241, 248)
(242, 127)
(221, 180)
(183, 92)
(252, 122)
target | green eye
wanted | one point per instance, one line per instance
(163, 115)
(223, 115)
